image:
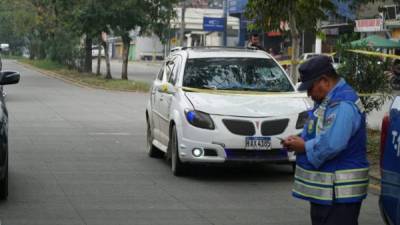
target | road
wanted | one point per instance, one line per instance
(77, 156)
(137, 70)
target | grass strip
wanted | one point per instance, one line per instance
(87, 79)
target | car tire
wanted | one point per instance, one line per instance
(4, 183)
(151, 149)
(177, 167)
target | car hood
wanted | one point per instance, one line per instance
(249, 105)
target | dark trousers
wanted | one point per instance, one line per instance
(336, 214)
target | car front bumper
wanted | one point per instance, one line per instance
(220, 146)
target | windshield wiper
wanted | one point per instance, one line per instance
(209, 87)
(239, 89)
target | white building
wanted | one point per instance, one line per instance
(194, 32)
(146, 48)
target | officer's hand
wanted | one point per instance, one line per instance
(294, 143)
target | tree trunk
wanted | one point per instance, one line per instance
(88, 54)
(294, 32)
(32, 51)
(108, 70)
(125, 52)
(99, 60)
(99, 47)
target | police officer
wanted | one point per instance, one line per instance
(332, 168)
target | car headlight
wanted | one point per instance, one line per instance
(301, 119)
(199, 119)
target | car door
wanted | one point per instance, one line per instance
(172, 69)
(390, 186)
(155, 103)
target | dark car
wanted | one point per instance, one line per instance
(389, 200)
(6, 77)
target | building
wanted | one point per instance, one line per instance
(334, 26)
(195, 32)
(370, 20)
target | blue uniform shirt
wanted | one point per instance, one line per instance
(341, 122)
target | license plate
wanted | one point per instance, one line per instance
(258, 143)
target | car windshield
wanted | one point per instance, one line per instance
(249, 74)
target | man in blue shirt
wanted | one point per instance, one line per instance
(332, 168)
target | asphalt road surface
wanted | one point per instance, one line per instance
(77, 156)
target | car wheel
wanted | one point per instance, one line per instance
(4, 184)
(178, 168)
(152, 150)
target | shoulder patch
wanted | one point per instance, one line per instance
(329, 120)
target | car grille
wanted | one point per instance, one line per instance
(274, 127)
(248, 155)
(240, 127)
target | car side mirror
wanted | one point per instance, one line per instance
(167, 88)
(9, 77)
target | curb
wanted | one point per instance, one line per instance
(54, 75)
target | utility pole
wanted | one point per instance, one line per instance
(225, 33)
(182, 35)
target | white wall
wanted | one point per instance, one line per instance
(148, 46)
(213, 39)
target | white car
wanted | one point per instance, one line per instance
(306, 56)
(217, 105)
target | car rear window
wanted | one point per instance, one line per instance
(249, 74)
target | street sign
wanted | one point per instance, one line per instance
(213, 24)
(237, 6)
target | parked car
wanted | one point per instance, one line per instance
(389, 200)
(216, 105)
(6, 77)
(309, 55)
(95, 51)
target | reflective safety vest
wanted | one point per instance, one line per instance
(343, 179)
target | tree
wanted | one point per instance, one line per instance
(17, 20)
(145, 16)
(299, 14)
(92, 20)
(366, 74)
